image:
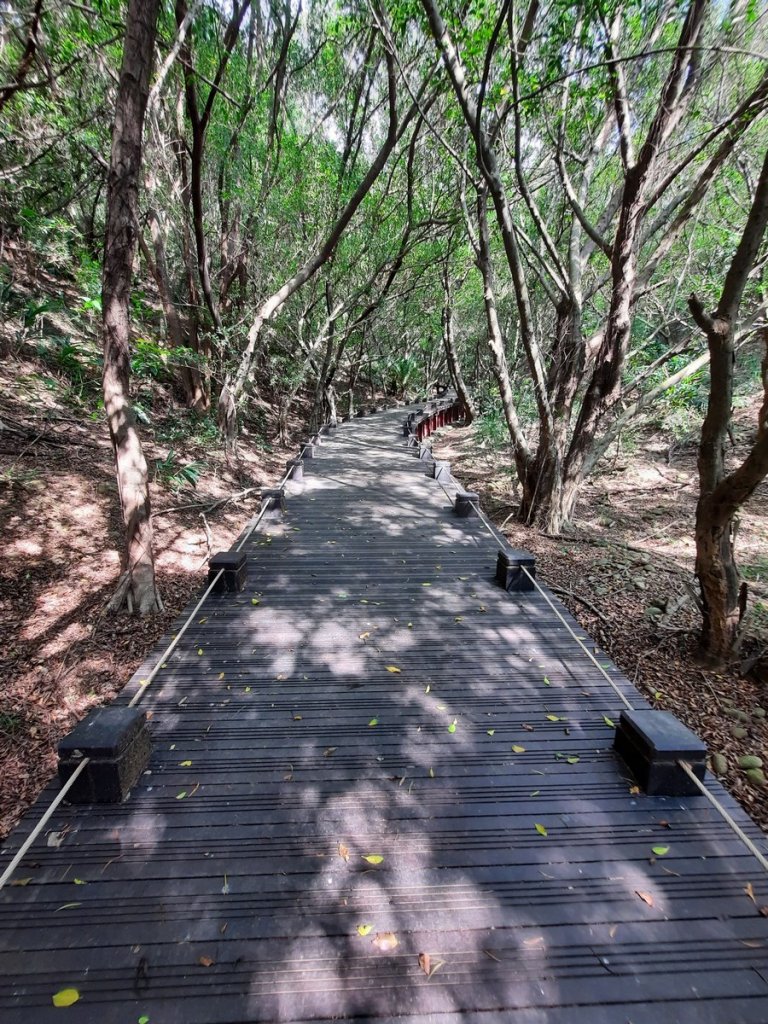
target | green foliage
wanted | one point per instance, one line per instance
(175, 475)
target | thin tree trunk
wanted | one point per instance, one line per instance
(234, 386)
(137, 586)
(722, 494)
(451, 355)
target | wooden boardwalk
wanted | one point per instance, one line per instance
(354, 763)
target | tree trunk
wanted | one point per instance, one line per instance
(137, 586)
(721, 496)
(235, 384)
(452, 356)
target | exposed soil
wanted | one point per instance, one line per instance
(626, 573)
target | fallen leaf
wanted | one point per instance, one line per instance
(431, 772)
(540, 829)
(343, 851)
(612, 930)
(547, 682)
(553, 718)
(528, 728)
(200, 651)
(634, 790)
(364, 636)
(79, 881)
(535, 792)
(221, 675)
(206, 961)
(385, 941)
(425, 963)
(67, 906)
(427, 688)
(609, 722)
(329, 751)
(661, 851)
(763, 911)
(297, 718)
(392, 668)
(67, 997)
(364, 929)
(573, 759)
(492, 956)
(255, 600)
(490, 731)
(517, 749)
(645, 897)
(750, 892)
(143, 1020)
(373, 858)
(181, 795)
(21, 881)
(452, 726)
(55, 838)
(373, 721)
(185, 764)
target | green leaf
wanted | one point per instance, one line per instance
(517, 748)
(373, 721)
(573, 759)
(540, 829)
(660, 851)
(609, 722)
(373, 858)
(490, 731)
(452, 726)
(553, 718)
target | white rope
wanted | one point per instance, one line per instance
(624, 699)
(763, 861)
(21, 853)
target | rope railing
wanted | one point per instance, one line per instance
(137, 697)
(683, 765)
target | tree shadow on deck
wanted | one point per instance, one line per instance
(370, 756)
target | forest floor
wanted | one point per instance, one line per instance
(625, 571)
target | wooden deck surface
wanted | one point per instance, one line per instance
(373, 694)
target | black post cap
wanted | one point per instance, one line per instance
(651, 742)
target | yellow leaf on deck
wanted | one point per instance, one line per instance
(373, 858)
(364, 929)
(392, 668)
(67, 997)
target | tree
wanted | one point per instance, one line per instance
(137, 586)
(723, 492)
(603, 133)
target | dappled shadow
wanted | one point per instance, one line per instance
(373, 755)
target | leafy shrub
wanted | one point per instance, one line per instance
(176, 476)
